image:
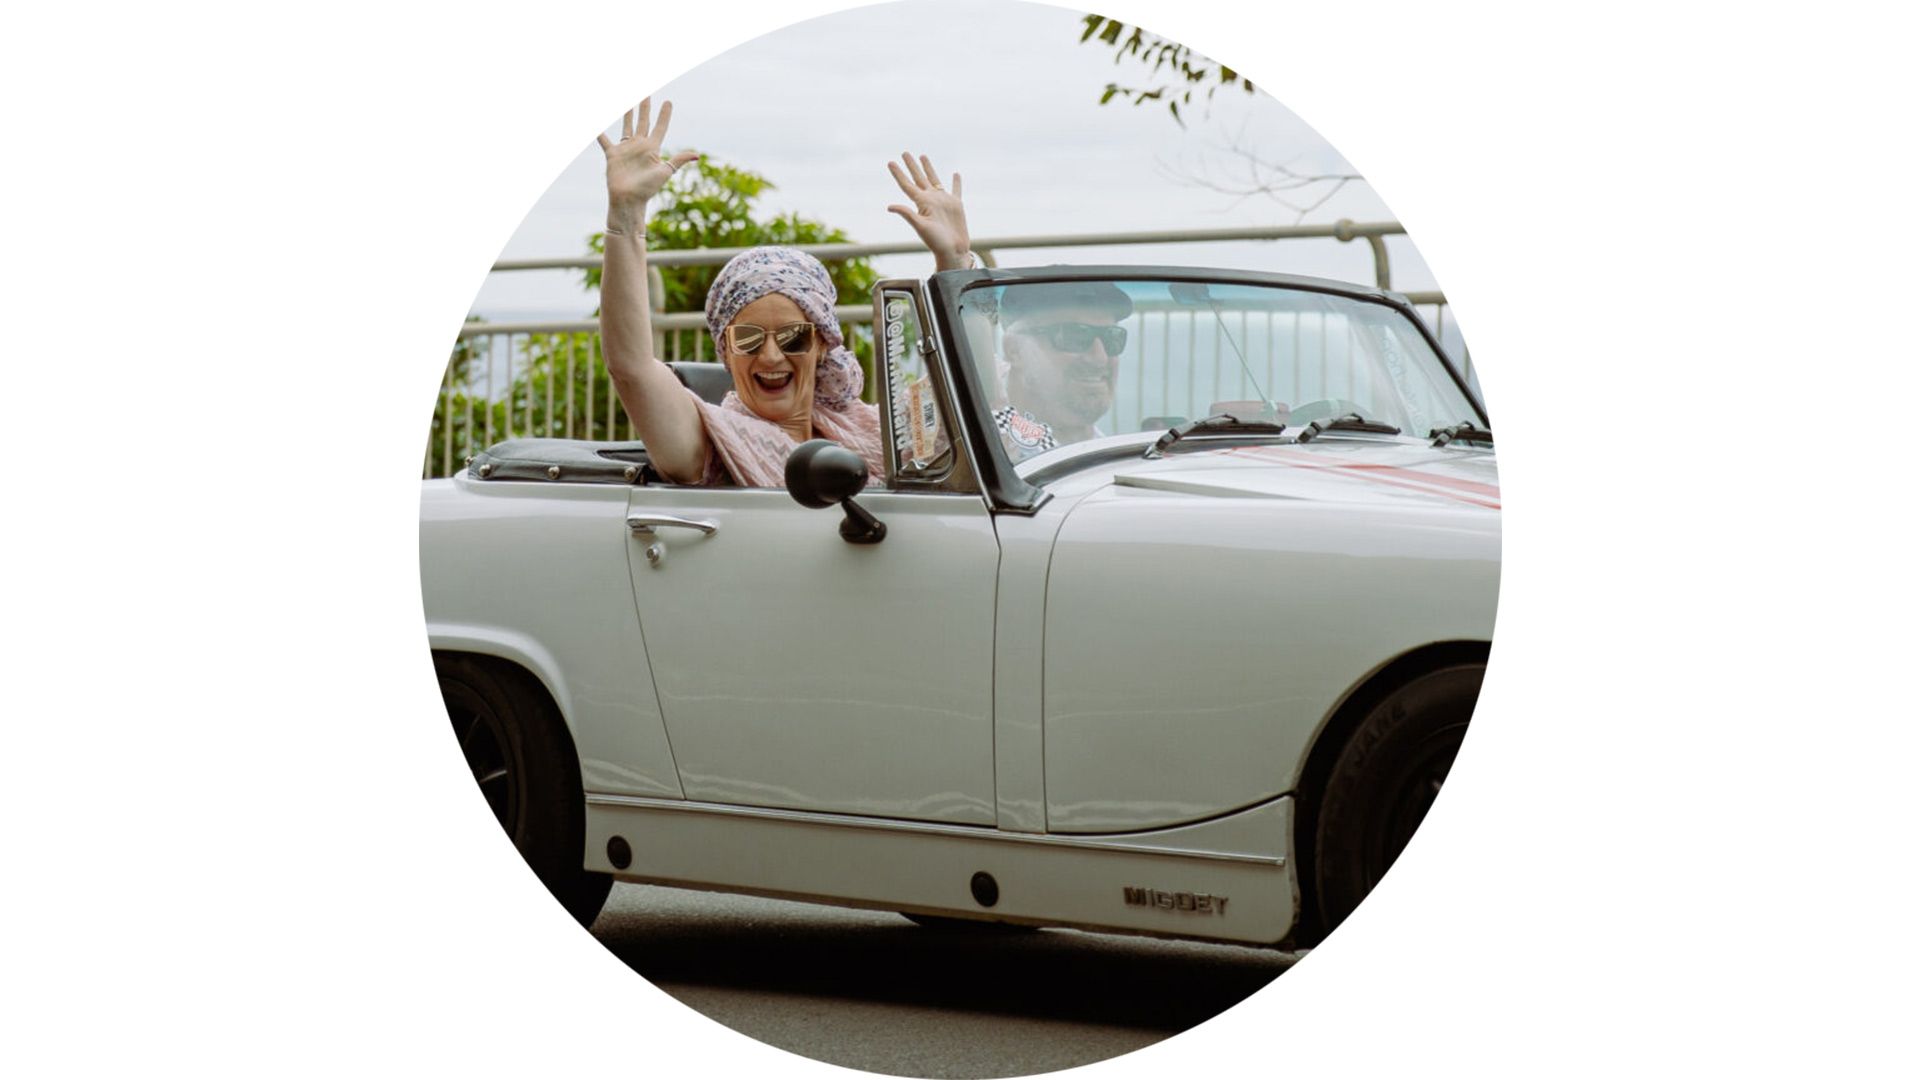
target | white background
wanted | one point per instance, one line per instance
(1678, 839)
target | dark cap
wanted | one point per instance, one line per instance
(1020, 301)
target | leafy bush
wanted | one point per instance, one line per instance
(561, 386)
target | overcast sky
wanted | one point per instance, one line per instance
(1002, 92)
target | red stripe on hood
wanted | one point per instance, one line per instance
(1467, 491)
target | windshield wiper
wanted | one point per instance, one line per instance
(1464, 432)
(1222, 423)
(1353, 421)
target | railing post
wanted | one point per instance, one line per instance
(1382, 272)
(446, 426)
(657, 300)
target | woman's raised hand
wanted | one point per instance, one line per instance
(635, 170)
(936, 214)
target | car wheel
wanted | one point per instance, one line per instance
(1383, 783)
(516, 746)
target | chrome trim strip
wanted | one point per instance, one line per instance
(924, 828)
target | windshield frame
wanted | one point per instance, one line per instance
(1005, 489)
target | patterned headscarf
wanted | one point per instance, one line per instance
(799, 277)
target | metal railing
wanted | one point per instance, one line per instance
(507, 380)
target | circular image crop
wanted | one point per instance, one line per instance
(959, 567)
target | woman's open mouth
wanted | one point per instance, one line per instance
(773, 381)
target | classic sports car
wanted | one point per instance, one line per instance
(1168, 618)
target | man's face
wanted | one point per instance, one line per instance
(1060, 368)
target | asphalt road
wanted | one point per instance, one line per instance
(872, 991)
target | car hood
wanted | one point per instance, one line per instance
(1326, 470)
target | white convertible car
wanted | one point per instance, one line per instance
(1167, 618)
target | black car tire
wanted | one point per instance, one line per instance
(1383, 783)
(516, 745)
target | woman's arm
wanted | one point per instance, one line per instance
(663, 414)
(936, 214)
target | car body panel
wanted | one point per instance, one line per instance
(1146, 883)
(1333, 470)
(1160, 706)
(797, 670)
(1026, 554)
(536, 574)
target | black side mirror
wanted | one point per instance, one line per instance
(821, 473)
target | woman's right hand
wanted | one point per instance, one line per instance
(635, 170)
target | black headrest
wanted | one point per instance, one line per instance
(710, 381)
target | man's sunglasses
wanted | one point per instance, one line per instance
(1078, 337)
(794, 339)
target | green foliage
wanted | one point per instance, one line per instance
(1187, 70)
(709, 204)
(561, 388)
(465, 351)
(555, 395)
(453, 405)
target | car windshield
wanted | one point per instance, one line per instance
(1068, 361)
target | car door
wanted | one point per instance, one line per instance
(797, 670)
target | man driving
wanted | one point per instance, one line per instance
(1060, 344)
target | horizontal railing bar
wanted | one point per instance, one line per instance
(1339, 230)
(694, 320)
(485, 329)
(679, 320)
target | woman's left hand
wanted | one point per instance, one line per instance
(936, 214)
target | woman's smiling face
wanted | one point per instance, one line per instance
(775, 385)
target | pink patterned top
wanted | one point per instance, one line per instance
(753, 451)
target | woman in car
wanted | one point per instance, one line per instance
(770, 312)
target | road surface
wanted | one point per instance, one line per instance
(872, 991)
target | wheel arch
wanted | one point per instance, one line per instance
(548, 831)
(519, 667)
(1331, 739)
(524, 655)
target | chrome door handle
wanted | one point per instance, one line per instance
(645, 524)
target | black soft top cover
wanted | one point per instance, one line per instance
(578, 461)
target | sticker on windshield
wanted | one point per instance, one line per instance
(894, 333)
(923, 420)
(1024, 434)
(902, 430)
